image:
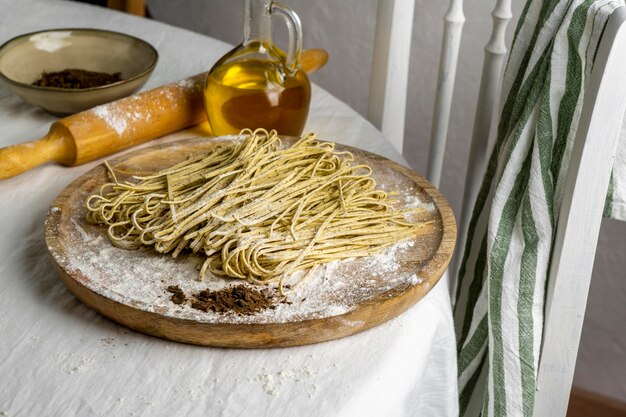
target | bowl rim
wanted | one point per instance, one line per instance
(143, 73)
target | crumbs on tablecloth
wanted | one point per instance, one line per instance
(272, 382)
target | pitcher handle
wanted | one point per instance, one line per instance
(295, 34)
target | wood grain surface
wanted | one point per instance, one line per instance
(126, 287)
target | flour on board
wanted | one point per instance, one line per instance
(140, 277)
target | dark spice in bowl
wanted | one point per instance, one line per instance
(77, 78)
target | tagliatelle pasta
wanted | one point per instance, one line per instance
(256, 210)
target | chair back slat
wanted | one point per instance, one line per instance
(390, 69)
(453, 28)
(579, 219)
(486, 111)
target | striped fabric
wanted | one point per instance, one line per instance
(501, 284)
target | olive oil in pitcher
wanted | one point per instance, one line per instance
(257, 85)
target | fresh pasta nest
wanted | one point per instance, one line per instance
(254, 209)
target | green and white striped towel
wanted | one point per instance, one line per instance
(501, 284)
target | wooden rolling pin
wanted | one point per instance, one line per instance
(118, 125)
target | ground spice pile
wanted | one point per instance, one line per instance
(178, 296)
(238, 299)
(77, 78)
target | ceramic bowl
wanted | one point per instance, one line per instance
(24, 58)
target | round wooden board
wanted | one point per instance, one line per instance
(346, 297)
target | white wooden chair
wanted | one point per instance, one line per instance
(583, 200)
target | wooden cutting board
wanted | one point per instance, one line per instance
(340, 299)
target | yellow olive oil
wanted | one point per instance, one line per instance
(256, 93)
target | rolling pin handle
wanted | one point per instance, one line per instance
(17, 159)
(313, 59)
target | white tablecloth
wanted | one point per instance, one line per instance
(59, 358)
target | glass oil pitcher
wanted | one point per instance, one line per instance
(257, 85)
